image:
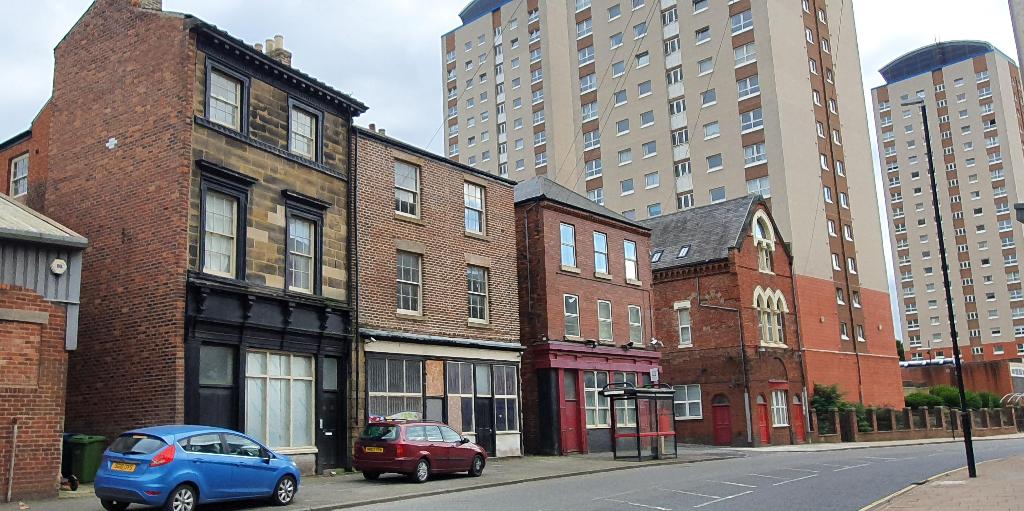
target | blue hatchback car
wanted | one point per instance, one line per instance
(179, 467)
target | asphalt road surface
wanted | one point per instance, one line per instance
(833, 480)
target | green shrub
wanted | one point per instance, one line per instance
(989, 400)
(922, 400)
(949, 395)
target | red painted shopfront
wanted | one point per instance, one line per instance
(566, 378)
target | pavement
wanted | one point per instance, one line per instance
(344, 490)
(995, 489)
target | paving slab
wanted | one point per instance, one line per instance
(995, 489)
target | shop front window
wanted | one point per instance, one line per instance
(506, 401)
(460, 396)
(596, 405)
(395, 386)
(279, 398)
(625, 409)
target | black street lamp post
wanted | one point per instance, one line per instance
(965, 418)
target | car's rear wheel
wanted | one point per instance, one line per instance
(183, 498)
(113, 505)
(284, 492)
(371, 476)
(476, 468)
(422, 472)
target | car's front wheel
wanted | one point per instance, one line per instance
(183, 498)
(477, 467)
(284, 492)
(113, 505)
(422, 472)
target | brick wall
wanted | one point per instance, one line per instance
(439, 235)
(990, 376)
(873, 376)
(33, 366)
(265, 236)
(125, 73)
(36, 146)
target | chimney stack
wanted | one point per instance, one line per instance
(275, 50)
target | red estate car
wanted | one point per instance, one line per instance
(416, 449)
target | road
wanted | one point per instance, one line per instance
(833, 480)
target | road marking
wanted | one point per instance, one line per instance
(879, 458)
(691, 493)
(800, 470)
(735, 484)
(762, 475)
(851, 466)
(831, 465)
(794, 480)
(723, 498)
(636, 504)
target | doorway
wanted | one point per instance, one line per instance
(330, 415)
(570, 409)
(762, 421)
(798, 420)
(721, 415)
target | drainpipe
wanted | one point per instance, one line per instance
(14, 452)
(743, 361)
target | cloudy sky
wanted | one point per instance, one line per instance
(387, 52)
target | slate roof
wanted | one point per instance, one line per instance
(18, 222)
(540, 187)
(710, 231)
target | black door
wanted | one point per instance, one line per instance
(330, 415)
(484, 414)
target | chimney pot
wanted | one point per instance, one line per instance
(279, 41)
(373, 127)
(269, 45)
(259, 47)
(276, 51)
(382, 132)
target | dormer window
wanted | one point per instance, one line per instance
(656, 256)
(764, 240)
(683, 251)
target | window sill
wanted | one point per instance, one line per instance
(686, 345)
(689, 418)
(602, 275)
(409, 218)
(779, 426)
(634, 282)
(570, 269)
(418, 316)
(478, 323)
(477, 236)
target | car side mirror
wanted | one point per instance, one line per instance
(463, 441)
(266, 456)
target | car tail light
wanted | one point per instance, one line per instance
(163, 457)
(399, 450)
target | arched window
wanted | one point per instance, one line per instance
(764, 240)
(771, 309)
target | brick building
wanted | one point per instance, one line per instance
(219, 289)
(24, 158)
(438, 315)
(40, 276)
(585, 305)
(724, 307)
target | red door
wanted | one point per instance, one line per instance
(722, 417)
(570, 420)
(762, 421)
(798, 421)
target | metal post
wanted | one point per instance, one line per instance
(965, 418)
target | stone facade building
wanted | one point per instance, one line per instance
(214, 181)
(725, 308)
(438, 314)
(40, 278)
(585, 308)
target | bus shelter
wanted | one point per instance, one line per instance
(643, 426)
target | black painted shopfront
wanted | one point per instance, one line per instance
(271, 364)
